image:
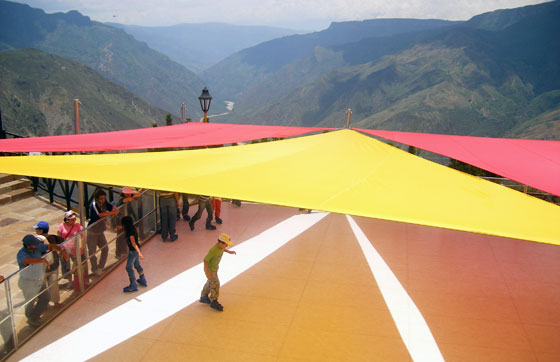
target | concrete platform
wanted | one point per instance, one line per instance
(321, 296)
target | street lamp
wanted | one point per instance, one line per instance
(205, 100)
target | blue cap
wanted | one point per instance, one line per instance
(41, 225)
(31, 240)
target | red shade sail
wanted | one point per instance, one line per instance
(182, 135)
(531, 162)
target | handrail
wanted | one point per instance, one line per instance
(15, 334)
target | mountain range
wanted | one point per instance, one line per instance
(110, 51)
(497, 74)
(38, 91)
(200, 46)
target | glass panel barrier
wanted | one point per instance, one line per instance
(35, 295)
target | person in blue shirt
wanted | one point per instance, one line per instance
(31, 279)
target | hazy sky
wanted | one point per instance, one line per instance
(295, 14)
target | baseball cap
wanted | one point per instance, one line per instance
(69, 214)
(41, 225)
(31, 240)
(225, 239)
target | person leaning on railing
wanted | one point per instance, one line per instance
(127, 196)
(42, 230)
(67, 230)
(96, 230)
(31, 278)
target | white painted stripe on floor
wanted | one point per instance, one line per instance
(412, 327)
(149, 308)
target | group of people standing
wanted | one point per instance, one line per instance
(171, 211)
(43, 273)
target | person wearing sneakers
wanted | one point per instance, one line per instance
(211, 290)
(128, 195)
(203, 203)
(217, 206)
(134, 256)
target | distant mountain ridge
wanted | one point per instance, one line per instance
(247, 68)
(497, 74)
(199, 46)
(110, 51)
(37, 95)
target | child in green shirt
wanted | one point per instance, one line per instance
(211, 265)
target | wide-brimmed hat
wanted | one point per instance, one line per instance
(224, 238)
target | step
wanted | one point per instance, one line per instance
(14, 185)
(15, 195)
(7, 177)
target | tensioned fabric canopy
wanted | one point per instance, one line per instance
(531, 162)
(342, 171)
(194, 134)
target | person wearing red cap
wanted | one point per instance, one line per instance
(211, 290)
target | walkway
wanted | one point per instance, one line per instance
(17, 220)
(316, 298)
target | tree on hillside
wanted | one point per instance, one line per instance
(168, 120)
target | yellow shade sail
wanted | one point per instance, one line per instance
(342, 171)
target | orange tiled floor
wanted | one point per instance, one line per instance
(315, 299)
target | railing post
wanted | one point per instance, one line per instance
(67, 195)
(348, 114)
(156, 209)
(50, 186)
(11, 311)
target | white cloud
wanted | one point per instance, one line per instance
(303, 14)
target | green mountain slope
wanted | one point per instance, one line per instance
(241, 71)
(462, 79)
(110, 51)
(37, 95)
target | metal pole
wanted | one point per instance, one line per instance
(156, 208)
(182, 112)
(348, 114)
(2, 132)
(11, 311)
(78, 240)
(205, 118)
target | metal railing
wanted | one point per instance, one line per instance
(66, 192)
(62, 287)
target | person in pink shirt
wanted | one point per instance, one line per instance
(67, 230)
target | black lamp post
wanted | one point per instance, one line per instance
(205, 100)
